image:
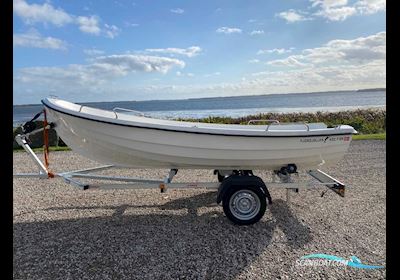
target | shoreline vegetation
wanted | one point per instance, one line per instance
(370, 124)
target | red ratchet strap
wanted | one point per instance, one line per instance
(46, 145)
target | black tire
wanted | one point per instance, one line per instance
(253, 195)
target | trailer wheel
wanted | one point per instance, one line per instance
(244, 205)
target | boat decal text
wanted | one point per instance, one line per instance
(325, 139)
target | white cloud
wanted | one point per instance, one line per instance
(189, 52)
(306, 79)
(339, 10)
(89, 24)
(370, 6)
(40, 13)
(329, 77)
(143, 63)
(229, 30)
(293, 16)
(309, 79)
(254, 61)
(47, 14)
(336, 14)
(101, 70)
(111, 31)
(335, 10)
(354, 52)
(339, 64)
(256, 32)
(177, 11)
(34, 39)
(328, 3)
(291, 61)
(361, 49)
(98, 78)
(278, 51)
(93, 52)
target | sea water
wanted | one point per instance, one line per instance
(235, 106)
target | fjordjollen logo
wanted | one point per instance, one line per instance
(331, 260)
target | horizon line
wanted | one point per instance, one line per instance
(215, 97)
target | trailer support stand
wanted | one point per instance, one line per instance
(43, 172)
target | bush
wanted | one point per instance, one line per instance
(36, 140)
(367, 121)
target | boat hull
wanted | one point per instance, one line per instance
(141, 147)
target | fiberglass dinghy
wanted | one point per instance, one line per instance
(127, 140)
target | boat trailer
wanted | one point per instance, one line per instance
(243, 195)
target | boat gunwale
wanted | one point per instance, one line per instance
(44, 102)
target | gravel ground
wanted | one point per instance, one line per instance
(61, 232)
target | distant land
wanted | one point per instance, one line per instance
(372, 89)
(222, 97)
(286, 94)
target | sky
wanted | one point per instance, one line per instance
(108, 50)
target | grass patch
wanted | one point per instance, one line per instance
(51, 149)
(376, 136)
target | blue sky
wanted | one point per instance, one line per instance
(107, 50)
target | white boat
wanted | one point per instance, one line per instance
(233, 151)
(127, 140)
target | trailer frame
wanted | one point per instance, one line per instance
(279, 179)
